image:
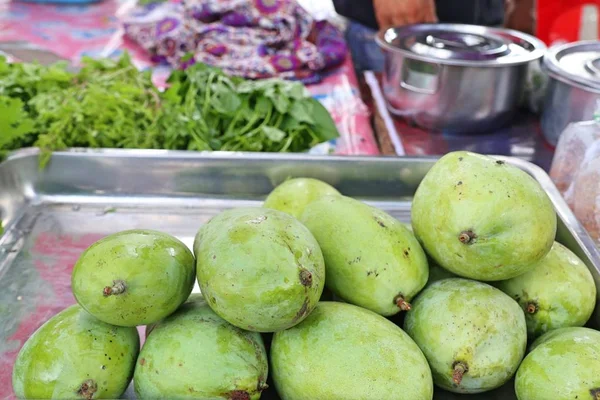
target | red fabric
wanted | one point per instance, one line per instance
(560, 20)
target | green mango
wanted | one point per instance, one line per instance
(133, 277)
(259, 269)
(76, 356)
(342, 351)
(473, 335)
(481, 218)
(437, 273)
(504, 392)
(571, 331)
(371, 259)
(195, 354)
(293, 195)
(194, 298)
(563, 364)
(558, 292)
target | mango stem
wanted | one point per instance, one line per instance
(460, 369)
(262, 386)
(532, 308)
(595, 393)
(117, 288)
(401, 302)
(467, 237)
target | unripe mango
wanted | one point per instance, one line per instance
(259, 269)
(194, 353)
(293, 195)
(133, 277)
(341, 351)
(558, 292)
(482, 218)
(437, 273)
(371, 259)
(473, 335)
(563, 364)
(74, 355)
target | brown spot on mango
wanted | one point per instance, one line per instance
(302, 311)
(239, 395)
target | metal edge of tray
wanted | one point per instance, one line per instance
(186, 154)
(22, 181)
(29, 196)
(583, 240)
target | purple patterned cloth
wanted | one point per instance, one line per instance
(250, 38)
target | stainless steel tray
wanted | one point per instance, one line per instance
(51, 215)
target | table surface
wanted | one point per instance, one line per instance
(522, 138)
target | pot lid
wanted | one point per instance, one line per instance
(577, 62)
(459, 44)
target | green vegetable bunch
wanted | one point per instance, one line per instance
(110, 104)
(19, 83)
(229, 113)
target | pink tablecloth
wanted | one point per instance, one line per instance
(73, 31)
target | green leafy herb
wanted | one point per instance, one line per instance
(14, 121)
(19, 83)
(109, 103)
(241, 115)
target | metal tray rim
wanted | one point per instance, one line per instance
(583, 239)
(188, 154)
(570, 227)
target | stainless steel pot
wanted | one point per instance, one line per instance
(573, 91)
(454, 77)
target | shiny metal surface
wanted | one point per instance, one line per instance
(573, 90)
(51, 215)
(456, 78)
(565, 103)
(452, 98)
(576, 64)
(462, 45)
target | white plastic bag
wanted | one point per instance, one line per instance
(576, 171)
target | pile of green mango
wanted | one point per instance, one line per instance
(319, 296)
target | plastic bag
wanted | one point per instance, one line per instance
(576, 171)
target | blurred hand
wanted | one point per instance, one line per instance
(520, 15)
(390, 13)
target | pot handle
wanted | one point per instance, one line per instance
(424, 79)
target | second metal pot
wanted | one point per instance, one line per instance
(573, 92)
(456, 78)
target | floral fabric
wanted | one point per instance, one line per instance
(249, 38)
